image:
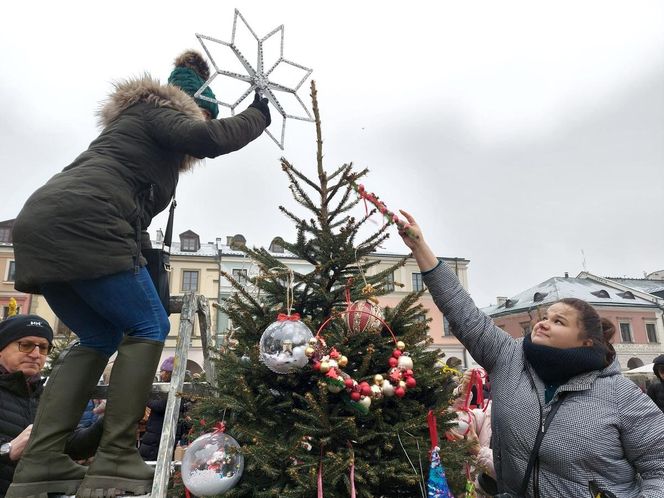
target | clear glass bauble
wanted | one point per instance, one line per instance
(212, 464)
(283, 346)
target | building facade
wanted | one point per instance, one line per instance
(199, 267)
(7, 272)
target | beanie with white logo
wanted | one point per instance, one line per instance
(19, 326)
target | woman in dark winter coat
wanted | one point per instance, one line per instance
(656, 389)
(77, 241)
(563, 382)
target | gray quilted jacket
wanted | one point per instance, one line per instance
(605, 430)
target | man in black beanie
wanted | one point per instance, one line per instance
(25, 341)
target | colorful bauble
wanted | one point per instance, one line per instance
(364, 316)
(212, 464)
(284, 345)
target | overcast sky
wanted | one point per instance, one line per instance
(525, 136)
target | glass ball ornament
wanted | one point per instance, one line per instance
(212, 464)
(283, 346)
(364, 316)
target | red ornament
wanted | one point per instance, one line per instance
(316, 366)
(410, 382)
(396, 353)
(334, 354)
(365, 389)
(395, 375)
(349, 382)
(392, 362)
(355, 396)
(399, 392)
(364, 316)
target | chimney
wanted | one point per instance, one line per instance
(566, 275)
(229, 240)
(160, 235)
(500, 300)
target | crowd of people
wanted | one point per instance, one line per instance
(561, 421)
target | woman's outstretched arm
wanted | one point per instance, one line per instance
(472, 327)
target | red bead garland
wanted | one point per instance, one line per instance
(397, 381)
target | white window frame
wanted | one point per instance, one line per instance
(10, 263)
(198, 280)
(417, 282)
(389, 282)
(629, 331)
(241, 275)
(654, 326)
(188, 244)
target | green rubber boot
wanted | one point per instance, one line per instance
(44, 467)
(118, 468)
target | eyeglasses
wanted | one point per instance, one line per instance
(29, 347)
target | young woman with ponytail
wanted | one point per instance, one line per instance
(566, 423)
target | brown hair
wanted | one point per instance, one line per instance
(597, 329)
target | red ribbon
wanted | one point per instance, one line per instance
(282, 317)
(433, 430)
(186, 493)
(219, 427)
(475, 380)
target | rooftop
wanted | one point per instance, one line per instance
(557, 288)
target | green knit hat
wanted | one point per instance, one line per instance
(190, 73)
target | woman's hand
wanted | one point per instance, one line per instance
(410, 232)
(412, 237)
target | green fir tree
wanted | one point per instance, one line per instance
(291, 427)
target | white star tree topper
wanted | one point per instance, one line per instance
(257, 78)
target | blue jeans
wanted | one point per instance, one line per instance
(101, 311)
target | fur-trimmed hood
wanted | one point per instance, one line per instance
(146, 89)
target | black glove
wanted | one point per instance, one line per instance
(260, 103)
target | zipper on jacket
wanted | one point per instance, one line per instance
(542, 429)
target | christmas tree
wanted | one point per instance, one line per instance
(313, 430)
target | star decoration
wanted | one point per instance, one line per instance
(257, 78)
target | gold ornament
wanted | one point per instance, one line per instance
(401, 345)
(378, 379)
(309, 352)
(342, 362)
(324, 367)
